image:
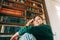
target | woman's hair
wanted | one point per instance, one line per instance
(39, 16)
(36, 16)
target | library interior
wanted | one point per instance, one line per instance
(14, 14)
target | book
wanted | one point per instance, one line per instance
(11, 29)
(22, 1)
(5, 2)
(0, 18)
(34, 4)
(33, 15)
(0, 28)
(39, 6)
(5, 38)
(40, 10)
(17, 29)
(7, 29)
(1, 38)
(37, 10)
(22, 21)
(11, 12)
(28, 14)
(13, 20)
(33, 9)
(0, 1)
(10, 19)
(29, 8)
(5, 19)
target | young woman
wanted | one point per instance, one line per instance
(38, 31)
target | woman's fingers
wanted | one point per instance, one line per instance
(29, 22)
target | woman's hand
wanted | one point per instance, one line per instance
(29, 22)
(15, 36)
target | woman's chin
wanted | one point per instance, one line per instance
(36, 25)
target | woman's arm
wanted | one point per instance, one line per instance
(15, 36)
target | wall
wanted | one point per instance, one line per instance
(53, 17)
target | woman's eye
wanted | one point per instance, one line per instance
(38, 19)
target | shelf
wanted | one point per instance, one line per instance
(12, 24)
(11, 7)
(34, 2)
(6, 35)
(11, 12)
(33, 6)
(16, 2)
(33, 12)
(24, 4)
(4, 14)
(29, 17)
(24, 9)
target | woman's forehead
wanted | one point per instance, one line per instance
(37, 17)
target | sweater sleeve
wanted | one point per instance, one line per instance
(24, 30)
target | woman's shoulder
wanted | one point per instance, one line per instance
(45, 25)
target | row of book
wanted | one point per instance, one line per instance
(11, 12)
(4, 38)
(31, 8)
(9, 29)
(14, 5)
(0, 2)
(29, 14)
(27, 2)
(22, 1)
(8, 19)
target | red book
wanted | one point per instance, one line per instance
(11, 12)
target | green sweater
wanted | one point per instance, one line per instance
(41, 32)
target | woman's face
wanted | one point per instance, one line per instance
(37, 21)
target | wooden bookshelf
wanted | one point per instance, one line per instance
(33, 12)
(19, 9)
(6, 35)
(16, 2)
(11, 7)
(33, 1)
(7, 23)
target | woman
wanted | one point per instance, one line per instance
(38, 31)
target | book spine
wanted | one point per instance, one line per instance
(5, 38)
(11, 12)
(2, 29)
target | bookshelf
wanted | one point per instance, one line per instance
(16, 13)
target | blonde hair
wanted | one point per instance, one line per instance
(39, 16)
